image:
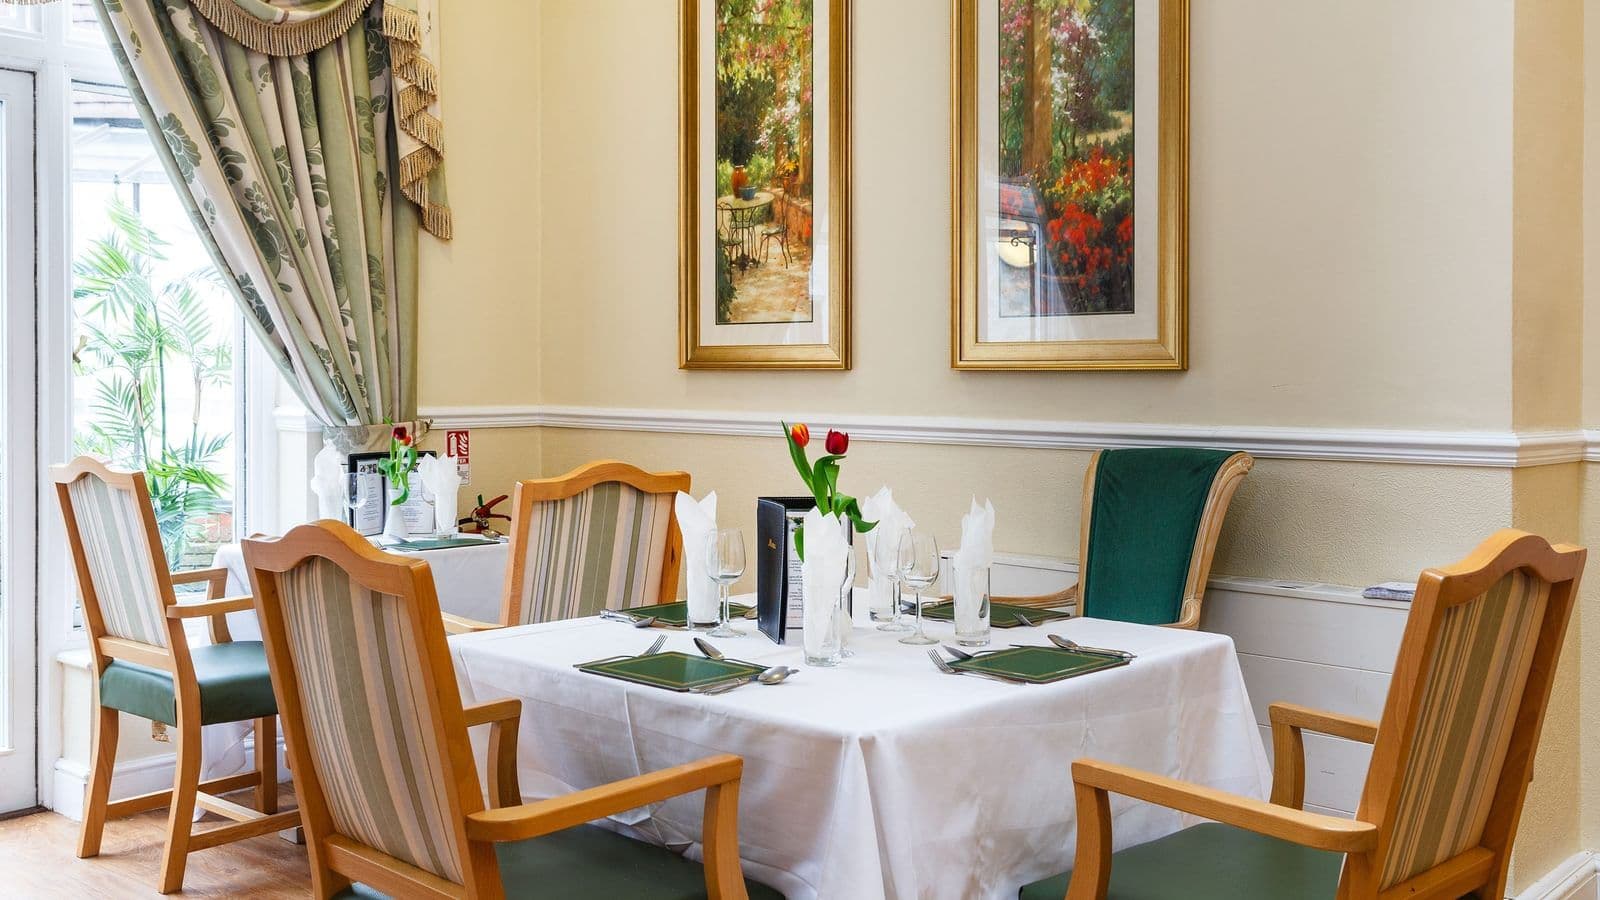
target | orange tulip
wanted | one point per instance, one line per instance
(800, 434)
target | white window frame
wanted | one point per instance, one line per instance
(57, 58)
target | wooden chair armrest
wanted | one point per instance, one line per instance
(503, 717)
(217, 577)
(462, 625)
(1289, 748)
(216, 581)
(1094, 779)
(531, 820)
(206, 608)
(1188, 615)
(718, 776)
(492, 711)
(1062, 597)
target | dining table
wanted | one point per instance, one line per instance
(882, 777)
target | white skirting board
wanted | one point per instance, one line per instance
(143, 775)
(1578, 878)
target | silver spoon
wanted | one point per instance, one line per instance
(774, 675)
(958, 654)
(1068, 644)
(706, 648)
(635, 621)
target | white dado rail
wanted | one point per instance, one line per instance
(1500, 449)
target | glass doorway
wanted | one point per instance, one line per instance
(19, 785)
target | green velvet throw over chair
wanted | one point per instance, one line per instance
(1149, 529)
(1451, 760)
(388, 785)
(144, 666)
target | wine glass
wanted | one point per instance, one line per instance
(354, 497)
(888, 556)
(725, 565)
(919, 568)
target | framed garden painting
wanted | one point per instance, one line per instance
(1070, 185)
(764, 264)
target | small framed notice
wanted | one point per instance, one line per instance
(367, 516)
(778, 579)
(370, 518)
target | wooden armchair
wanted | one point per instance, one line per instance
(390, 794)
(1451, 761)
(144, 666)
(603, 536)
(1150, 524)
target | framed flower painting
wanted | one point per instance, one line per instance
(1070, 184)
(765, 151)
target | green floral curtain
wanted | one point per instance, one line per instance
(288, 164)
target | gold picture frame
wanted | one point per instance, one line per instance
(1167, 347)
(829, 350)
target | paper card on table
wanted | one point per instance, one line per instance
(1001, 615)
(672, 670)
(676, 615)
(1038, 665)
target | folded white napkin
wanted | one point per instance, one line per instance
(883, 548)
(822, 576)
(442, 479)
(328, 482)
(971, 563)
(697, 520)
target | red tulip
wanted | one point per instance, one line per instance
(837, 442)
(400, 434)
(800, 434)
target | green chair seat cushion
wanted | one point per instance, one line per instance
(591, 862)
(1146, 512)
(235, 685)
(1211, 862)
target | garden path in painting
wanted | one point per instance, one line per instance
(772, 291)
(764, 161)
(1066, 157)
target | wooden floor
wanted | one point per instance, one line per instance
(37, 860)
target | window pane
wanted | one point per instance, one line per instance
(20, 18)
(154, 330)
(84, 24)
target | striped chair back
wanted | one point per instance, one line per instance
(120, 562)
(367, 694)
(1454, 748)
(604, 536)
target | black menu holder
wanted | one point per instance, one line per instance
(777, 566)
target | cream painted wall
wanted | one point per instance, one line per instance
(479, 313)
(1350, 202)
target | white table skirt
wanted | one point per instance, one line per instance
(470, 582)
(881, 778)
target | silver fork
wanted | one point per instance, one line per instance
(661, 641)
(952, 670)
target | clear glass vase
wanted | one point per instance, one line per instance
(971, 606)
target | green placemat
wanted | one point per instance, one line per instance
(671, 670)
(1038, 665)
(676, 615)
(1001, 615)
(443, 543)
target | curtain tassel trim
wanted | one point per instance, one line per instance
(282, 38)
(418, 89)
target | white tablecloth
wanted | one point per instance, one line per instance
(470, 582)
(883, 777)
